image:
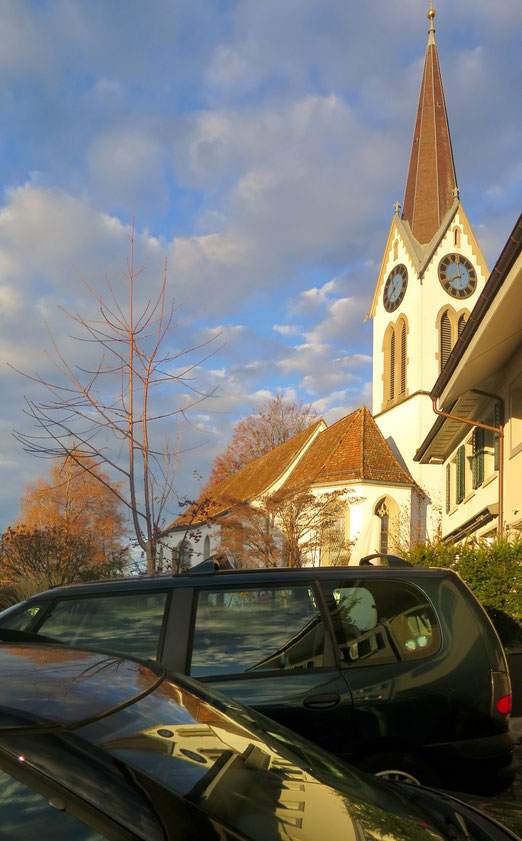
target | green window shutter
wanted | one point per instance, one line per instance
(448, 488)
(461, 473)
(497, 422)
(478, 456)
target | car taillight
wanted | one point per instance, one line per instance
(501, 698)
(504, 704)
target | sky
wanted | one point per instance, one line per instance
(260, 147)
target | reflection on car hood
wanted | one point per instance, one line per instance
(48, 685)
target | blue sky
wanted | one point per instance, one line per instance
(260, 147)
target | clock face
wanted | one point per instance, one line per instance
(457, 275)
(395, 288)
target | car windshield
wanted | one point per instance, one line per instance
(248, 772)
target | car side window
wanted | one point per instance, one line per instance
(20, 620)
(256, 629)
(127, 623)
(25, 814)
(379, 621)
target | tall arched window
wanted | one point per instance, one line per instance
(445, 338)
(451, 325)
(206, 547)
(387, 511)
(392, 365)
(395, 373)
(402, 371)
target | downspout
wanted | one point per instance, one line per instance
(499, 430)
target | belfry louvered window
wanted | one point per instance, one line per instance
(462, 323)
(461, 473)
(392, 365)
(445, 339)
(478, 456)
(403, 360)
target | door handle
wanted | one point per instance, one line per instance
(326, 701)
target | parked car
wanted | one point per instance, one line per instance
(397, 670)
(94, 746)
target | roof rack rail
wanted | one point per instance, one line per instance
(209, 565)
(391, 560)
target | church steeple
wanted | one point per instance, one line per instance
(431, 187)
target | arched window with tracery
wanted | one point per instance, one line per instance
(387, 511)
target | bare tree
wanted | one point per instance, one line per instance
(286, 530)
(273, 422)
(91, 408)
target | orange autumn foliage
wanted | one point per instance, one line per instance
(74, 501)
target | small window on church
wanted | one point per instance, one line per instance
(456, 237)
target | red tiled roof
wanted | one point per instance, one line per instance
(251, 482)
(353, 449)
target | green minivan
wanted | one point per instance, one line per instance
(396, 669)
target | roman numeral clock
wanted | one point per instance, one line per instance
(457, 276)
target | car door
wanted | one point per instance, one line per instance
(388, 639)
(269, 646)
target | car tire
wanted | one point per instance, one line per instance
(400, 767)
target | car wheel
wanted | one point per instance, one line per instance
(401, 768)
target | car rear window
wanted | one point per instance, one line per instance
(128, 623)
(382, 621)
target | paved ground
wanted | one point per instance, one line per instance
(514, 792)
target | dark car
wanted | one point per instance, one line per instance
(95, 746)
(397, 670)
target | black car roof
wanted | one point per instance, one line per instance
(238, 576)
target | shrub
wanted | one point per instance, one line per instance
(492, 570)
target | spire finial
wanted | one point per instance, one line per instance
(431, 33)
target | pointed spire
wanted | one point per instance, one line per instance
(431, 186)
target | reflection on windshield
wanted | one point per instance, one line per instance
(243, 779)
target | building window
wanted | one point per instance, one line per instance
(206, 547)
(477, 445)
(451, 325)
(456, 237)
(461, 473)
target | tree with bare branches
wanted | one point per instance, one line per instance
(101, 414)
(272, 422)
(287, 530)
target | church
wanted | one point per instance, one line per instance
(440, 454)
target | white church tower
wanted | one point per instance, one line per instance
(431, 275)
